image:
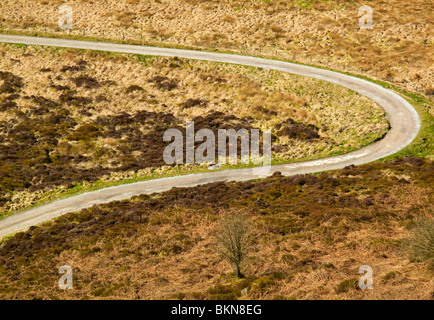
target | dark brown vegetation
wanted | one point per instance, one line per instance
(81, 118)
(164, 83)
(292, 129)
(310, 235)
(11, 83)
(30, 145)
(86, 82)
(233, 239)
(46, 146)
(398, 49)
(194, 103)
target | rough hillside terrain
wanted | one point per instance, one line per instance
(398, 49)
(75, 120)
(71, 116)
(310, 235)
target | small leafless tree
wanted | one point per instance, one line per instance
(232, 237)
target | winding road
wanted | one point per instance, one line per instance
(404, 121)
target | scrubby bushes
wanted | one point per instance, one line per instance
(86, 82)
(39, 161)
(347, 285)
(190, 103)
(292, 220)
(133, 88)
(11, 83)
(79, 66)
(86, 131)
(164, 83)
(69, 98)
(292, 129)
(7, 105)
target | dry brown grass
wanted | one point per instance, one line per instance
(327, 34)
(89, 85)
(224, 87)
(302, 246)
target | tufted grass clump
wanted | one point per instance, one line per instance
(420, 244)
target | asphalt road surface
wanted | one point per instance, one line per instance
(404, 121)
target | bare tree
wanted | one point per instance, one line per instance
(232, 237)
